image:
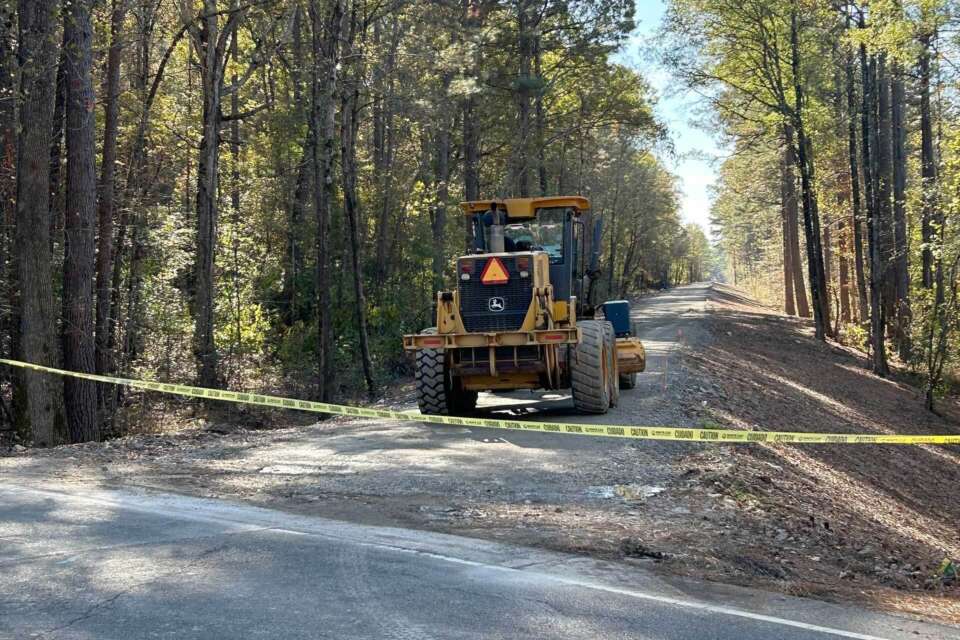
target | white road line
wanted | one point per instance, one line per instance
(690, 604)
(140, 504)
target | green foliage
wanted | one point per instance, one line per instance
(420, 65)
(739, 56)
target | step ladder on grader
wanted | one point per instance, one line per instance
(521, 316)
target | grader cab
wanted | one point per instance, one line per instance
(521, 315)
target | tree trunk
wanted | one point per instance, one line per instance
(900, 239)
(471, 131)
(235, 194)
(789, 185)
(383, 155)
(843, 268)
(613, 215)
(884, 187)
(471, 166)
(326, 39)
(628, 262)
(105, 209)
(208, 172)
(523, 92)
(56, 143)
(877, 321)
(811, 218)
(581, 141)
(39, 407)
(79, 352)
(293, 263)
(928, 166)
(827, 255)
(349, 114)
(857, 226)
(442, 179)
(540, 118)
(8, 194)
(789, 304)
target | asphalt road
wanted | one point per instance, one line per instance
(81, 562)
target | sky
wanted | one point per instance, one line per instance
(697, 151)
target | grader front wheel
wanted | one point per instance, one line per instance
(590, 372)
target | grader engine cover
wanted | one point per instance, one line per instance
(495, 291)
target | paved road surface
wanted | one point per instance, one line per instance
(80, 563)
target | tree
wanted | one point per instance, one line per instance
(79, 224)
(870, 131)
(106, 206)
(811, 216)
(210, 43)
(794, 286)
(855, 202)
(326, 42)
(349, 126)
(749, 57)
(39, 396)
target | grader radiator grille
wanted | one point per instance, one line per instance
(477, 307)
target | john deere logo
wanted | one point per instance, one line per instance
(496, 304)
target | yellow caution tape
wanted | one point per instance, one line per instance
(610, 431)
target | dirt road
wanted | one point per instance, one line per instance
(666, 323)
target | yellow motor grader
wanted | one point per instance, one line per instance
(521, 317)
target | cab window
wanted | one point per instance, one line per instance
(545, 233)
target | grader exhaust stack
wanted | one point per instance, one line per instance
(520, 316)
(495, 233)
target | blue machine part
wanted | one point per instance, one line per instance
(617, 312)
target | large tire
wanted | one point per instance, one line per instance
(437, 392)
(628, 380)
(610, 341)
(589, 373)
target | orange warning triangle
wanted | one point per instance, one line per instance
(494, 272)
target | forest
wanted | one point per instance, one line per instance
(838, 198)
(262, 194)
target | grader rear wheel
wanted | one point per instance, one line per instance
(589, 369)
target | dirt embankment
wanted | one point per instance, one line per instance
(862, 523)
(867, 522)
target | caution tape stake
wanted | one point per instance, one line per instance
(608, 431)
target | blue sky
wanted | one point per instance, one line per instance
(697, 151)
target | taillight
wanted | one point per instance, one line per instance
(554, 337)
(523, 263)
(431, 342)
(466, 266)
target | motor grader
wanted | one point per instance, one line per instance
(521, 315)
